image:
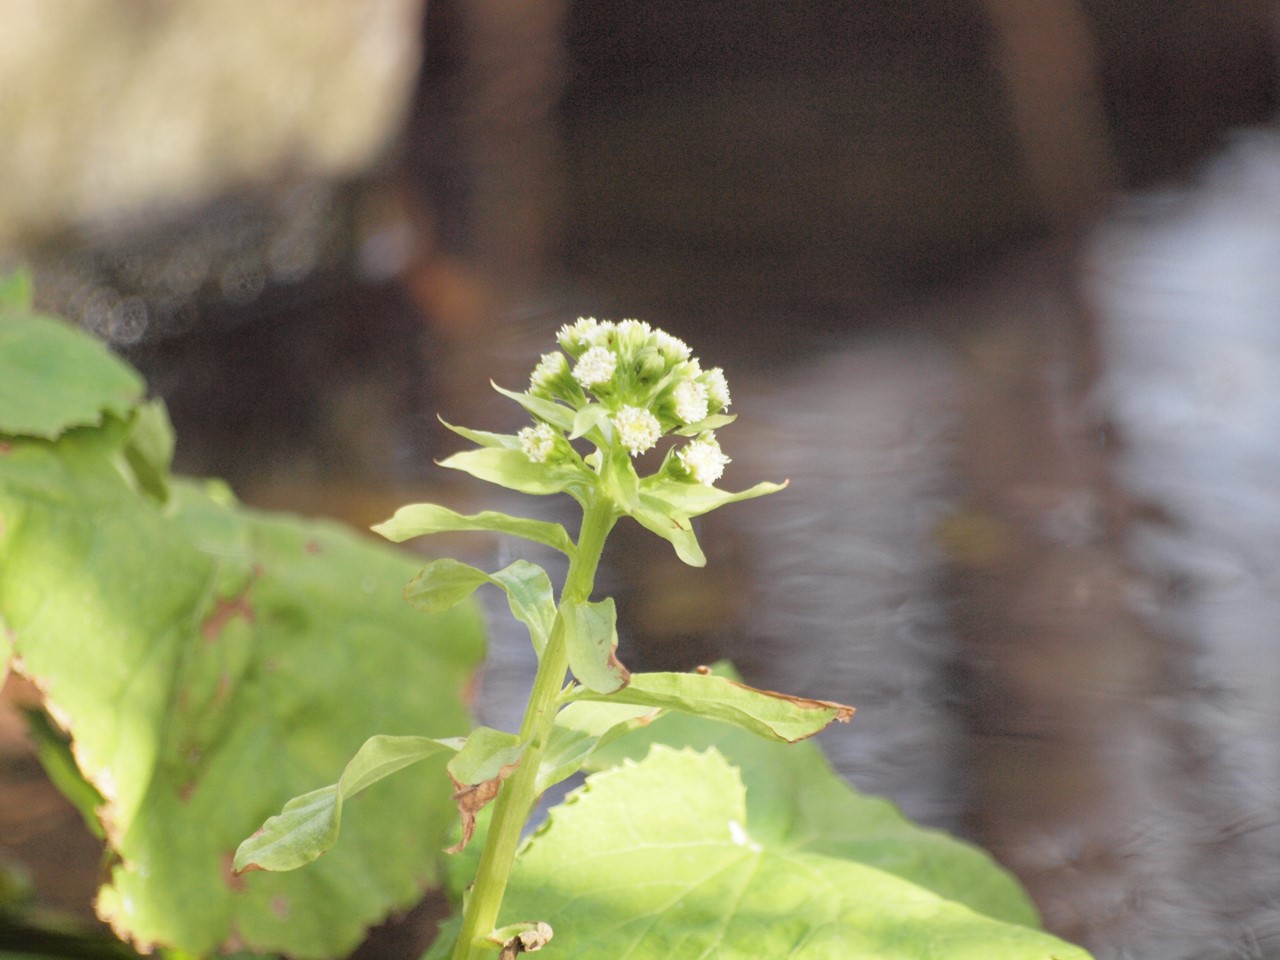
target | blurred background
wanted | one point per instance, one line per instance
(996, 282)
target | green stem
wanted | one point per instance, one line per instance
(518, 796)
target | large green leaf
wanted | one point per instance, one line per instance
(795, 800)
(664, 860)
(210, 663)
(52, 378)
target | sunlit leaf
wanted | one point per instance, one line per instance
(666, 859)
(210, 663)
(53, 378)
(795, 799)
(419, 519)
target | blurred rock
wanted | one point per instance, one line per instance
(115, 109)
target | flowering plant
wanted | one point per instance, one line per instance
(620, 387)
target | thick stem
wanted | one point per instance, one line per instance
(518, 796)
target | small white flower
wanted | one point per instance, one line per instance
(634, 329)
(672, 348)
(703, 458)
(595, 366)
(717, 389)
(580, 334)
(537, 442)
(691, 401)
(638, 429)
(550, 368)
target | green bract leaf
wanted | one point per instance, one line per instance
(531, 598)
(556, 414)
(419, 519)
(582, 728)
(591, 638)
(777, 716)
(666, 522)
(694, 499)
(591, 417)
(308, 825)
(445, 583)
(210, 663)
(485, 438)
(53, 378)
(513, 470)
(665, 859)
(714, 422)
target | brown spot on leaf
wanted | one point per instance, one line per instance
(844, 712)
(471, 798)
(313, 546)
(531, 940)
(616, 668)
(6, 448)
(186, 790)
(225, 609)
(280, 907)
(234, 881)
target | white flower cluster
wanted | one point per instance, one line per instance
(649, 384)
(703, 459)
(538, 442)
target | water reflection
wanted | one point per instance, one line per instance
(1032, 534)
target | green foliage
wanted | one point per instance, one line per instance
(669, 858)
(209, 662)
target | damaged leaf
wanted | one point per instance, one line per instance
(778, 716)
(477, 772)
(210, 663)
(591, 638)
